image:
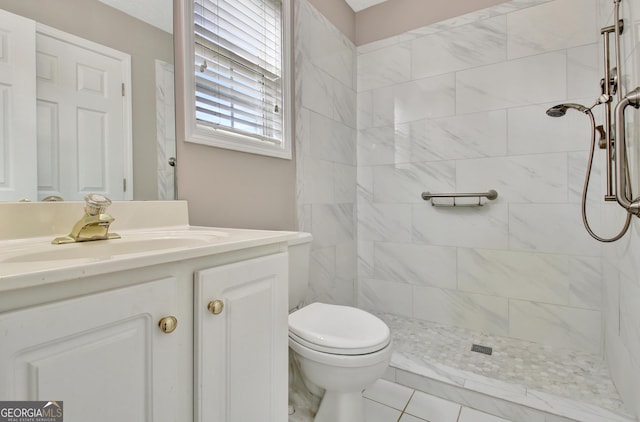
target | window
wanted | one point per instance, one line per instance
(239, 78)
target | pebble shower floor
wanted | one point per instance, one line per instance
(577, 376)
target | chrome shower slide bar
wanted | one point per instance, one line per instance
(490, 195)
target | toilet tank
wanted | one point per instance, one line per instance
(299, 254)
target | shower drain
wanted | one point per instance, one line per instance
(481, 349)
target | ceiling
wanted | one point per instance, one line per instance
(358, 5)
(158, 13)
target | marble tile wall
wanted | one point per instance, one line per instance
(620, 260)
(459, 106)
(326, 152)
(166, 129)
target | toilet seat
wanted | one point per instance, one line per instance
(339, 330)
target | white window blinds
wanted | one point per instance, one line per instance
(238, 67)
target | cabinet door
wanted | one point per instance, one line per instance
(103, 355)
(241, 353)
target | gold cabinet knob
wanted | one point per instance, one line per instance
(168, 324)
(215, 306)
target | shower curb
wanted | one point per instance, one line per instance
(496, 397)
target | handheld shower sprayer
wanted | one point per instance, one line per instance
(615, 145)
(561, 109)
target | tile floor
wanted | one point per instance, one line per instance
(386, 401)
(389, 402)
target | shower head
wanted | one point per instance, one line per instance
(561, 109)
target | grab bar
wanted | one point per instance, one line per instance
(630, 204)
(490, 195)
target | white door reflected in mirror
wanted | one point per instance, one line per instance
(83, 119)
(18, 172)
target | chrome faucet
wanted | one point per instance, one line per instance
(94, 225)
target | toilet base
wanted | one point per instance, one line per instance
(341, 407)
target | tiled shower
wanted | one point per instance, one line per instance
(459, 106)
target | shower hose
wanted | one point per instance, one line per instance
(586, 188)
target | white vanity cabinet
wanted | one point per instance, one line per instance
(240, 337)
(79, 323)
(103, 354)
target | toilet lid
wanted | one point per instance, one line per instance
(338, 329)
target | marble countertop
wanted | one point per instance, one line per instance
(35, 261)
(152, 233)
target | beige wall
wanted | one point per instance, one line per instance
(339, 14)
(394, 17)
(93, 20)
(227, 188)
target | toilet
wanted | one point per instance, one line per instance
(340, 349)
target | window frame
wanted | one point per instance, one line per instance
(188, 126)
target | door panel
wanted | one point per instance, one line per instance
(90, 138)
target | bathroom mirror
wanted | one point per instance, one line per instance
(142, 30)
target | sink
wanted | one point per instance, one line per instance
(153, 233)
(135, 243)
